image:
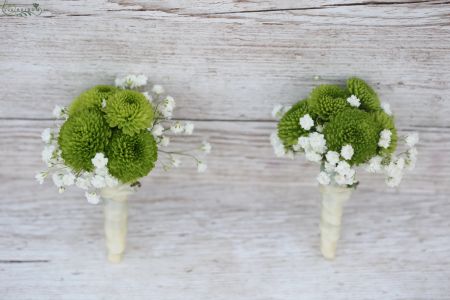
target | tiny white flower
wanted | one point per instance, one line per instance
(111, 181)
(386, 108)
(329, 167)
(103, 171)
(276, 111)
(206, 147)
(306, 122)
(412, 139)
(99, 160)
(40, 177)
(343, 168)
(46, 135)
(290, 154)
(374, 165)
(157, 130)
(318, 142)
(148, 96)
(313, 156)
(58, 111)
(400, 163)
(68, 179)
(176, 128)
(140, 80)
(47, 153)
(82, 183)
(277, 145)
(340, 179)
(92, 197)
(120, 82)
(279, 110)
(332, 157)
(385, 138)
(158, 89)
(188, 128)
(165, 141)
(98, 181)
(61, 189)
(412, 158)
(347, 152)
(354, 101)
(201, 167)
(319, 128)
(170, 102)
(58, 179)
(303, 142)
(103, 103)
(323, 178)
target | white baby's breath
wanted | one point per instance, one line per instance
(82, 183)
(58, 179)
(386, 108)
(206, 147)
(347, 152)
(313, 156)
(58, 112)
(92, 197)
(323, 178)
(385, 138)
(306, 122)
(40, 177)
(68, 179)
(332, 157)
(277, 145)
(188, 128)
(47, 153)
(98, 181)
(99, 161)
(374, 165)
(157, 130)
(158, 89)
(412, 139)
(148, 96)
(165, 141)
(318, 142)
(46, 135)
(354, 101)
(177, 128)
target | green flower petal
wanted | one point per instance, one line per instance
(327, 100)
(92, 98)
(131, 157)
(130, 111)
(289, 129)
(369, 98)
(83, 135)
(357, 128)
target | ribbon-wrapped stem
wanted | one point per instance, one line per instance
(333, 199)
(116, 214)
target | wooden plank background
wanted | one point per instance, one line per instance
(248, 228)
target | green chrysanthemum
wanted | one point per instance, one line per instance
(289, 129)
(384, 121)
(83, 135)
(130, 111)
(131, 157)
(357, 128)
(369, 98)
(328, 100)
(92, 98)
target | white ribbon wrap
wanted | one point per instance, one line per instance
(333, 199)
(116, 213)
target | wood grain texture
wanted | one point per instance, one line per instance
(248, 228)
(233, 67)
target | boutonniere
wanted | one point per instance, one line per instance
(109, 138)
(344, 129)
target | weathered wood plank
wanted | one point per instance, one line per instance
(230, 241)
(237, 65)
(242, 154)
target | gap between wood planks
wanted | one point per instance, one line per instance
(368, 3)
(221, 120)
(16, 261)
